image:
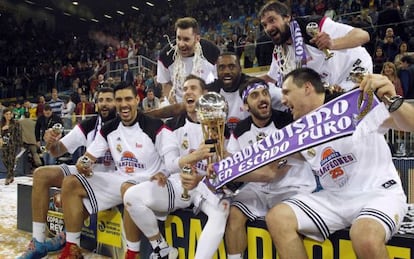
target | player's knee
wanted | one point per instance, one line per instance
(43, 175)
(71, 183)
(278, 217)
(367, 234)
(236, 219)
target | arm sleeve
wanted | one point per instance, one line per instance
(163, 74)
(74, 139)
(98, 147)
(167, 146)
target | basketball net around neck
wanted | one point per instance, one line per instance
(179, 73)
(284, 59)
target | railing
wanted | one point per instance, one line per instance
(401, 143)
(137, 64)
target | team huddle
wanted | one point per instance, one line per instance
(137, 160)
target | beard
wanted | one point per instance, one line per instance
(284, 35)
(255, 112)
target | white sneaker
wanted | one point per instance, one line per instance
(165, 253)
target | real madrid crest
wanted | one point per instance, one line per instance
(184, 145)
(311, 152)
(119, 148)
(261, 136)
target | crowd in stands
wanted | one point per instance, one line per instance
(33, 61)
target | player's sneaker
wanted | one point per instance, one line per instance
(35, 250)
(56, 243)
(131, 255)
(71, 251)
(165, 253)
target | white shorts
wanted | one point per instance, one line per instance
(166, 199)
(254, 202)
(162, 200)
(68, 169)
(322, 213)
(103, 189)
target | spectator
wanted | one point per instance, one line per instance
(30, 108)
(67, 112)
(84, 107)
(406, 75)
(140, 86)
(55, 103)
(389, 15)
(390, 44)
(126, 75)
(10, 143)
(150, 102)
(18, 111)
(379, 59)
(389, 70)
(403, 51)
(40, 106)
(44, 122)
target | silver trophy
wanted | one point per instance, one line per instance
(58, 129)
(312, 29)
(85, 163)
(212, 111)
(185, 196)
(357, 74)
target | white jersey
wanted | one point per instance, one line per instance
(336, 69)
(207, 69)
(189, 136)
(83, 134)
(247, 133)
(137, 149)
(236, 108)
(354, 163)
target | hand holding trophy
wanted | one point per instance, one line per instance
(312, 29)
(370, 86)
(212, 111)
(57, 129)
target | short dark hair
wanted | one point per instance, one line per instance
(276, 6)
(187, 22)
(249, 82)
(230, 53)
(302, 75)
(201, 81)
(105, 89)
(124, 85)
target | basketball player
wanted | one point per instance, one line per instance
(361, 186)
(294, 47)
(137, 144)
(148, 201)
(256, 198)
(189, 55)
(45, 177)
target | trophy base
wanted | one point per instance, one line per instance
(185, 197)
